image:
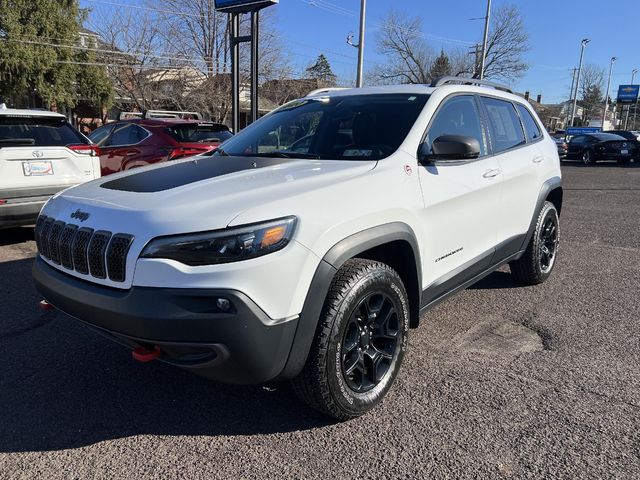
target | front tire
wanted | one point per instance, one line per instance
(360, 341)
(539, 258)
(587, 157)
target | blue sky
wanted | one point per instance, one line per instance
(555, 28)
(311, 27)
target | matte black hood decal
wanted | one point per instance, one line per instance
(184, 173)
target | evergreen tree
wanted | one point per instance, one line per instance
(441, 66)
(321, 71)
(39, 54)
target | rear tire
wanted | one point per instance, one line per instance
(539, 258)
(360, 341)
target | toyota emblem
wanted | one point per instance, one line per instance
(37, 154)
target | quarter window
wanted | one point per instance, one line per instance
(504, 124)
(530, 125)
(458, 116)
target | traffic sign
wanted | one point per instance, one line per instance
(240, 6)
(628, 93)
(582, 130)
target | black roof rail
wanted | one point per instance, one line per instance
(468, 81)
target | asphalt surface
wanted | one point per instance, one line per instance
(501, 381)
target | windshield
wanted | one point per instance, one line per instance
(199, 133)
(355, 127)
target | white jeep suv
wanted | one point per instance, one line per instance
(308, 245)
(40, 155)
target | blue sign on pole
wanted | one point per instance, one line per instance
(239, 6)
(628, 93)
(582, 130)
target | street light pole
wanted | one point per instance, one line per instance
(363, 8)
(575, 99)
(484, 41)
(573, 82)
(626, 118)
(606, 97)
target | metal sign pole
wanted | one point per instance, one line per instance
(254, 64)
(235, 72)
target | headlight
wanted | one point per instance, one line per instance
(223, 246)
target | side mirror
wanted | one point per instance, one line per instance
(450, 148)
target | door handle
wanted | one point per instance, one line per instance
(538, 159)
(494, 172)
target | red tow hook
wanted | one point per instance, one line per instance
(144, 355)
(44, 305)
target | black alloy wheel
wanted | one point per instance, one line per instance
(587, 157)
(370, 342)
(548, 243)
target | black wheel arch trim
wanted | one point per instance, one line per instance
(348, 248)
(549, 186)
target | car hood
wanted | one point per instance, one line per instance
(196, 194)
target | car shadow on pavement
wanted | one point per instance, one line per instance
(64, 386)
(12, 236)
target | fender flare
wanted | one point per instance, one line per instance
(547, 187)
(337, 255)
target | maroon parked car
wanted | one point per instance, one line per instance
(135, 143)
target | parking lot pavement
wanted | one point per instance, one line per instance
(501, 380)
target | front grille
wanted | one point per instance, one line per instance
(96, 253)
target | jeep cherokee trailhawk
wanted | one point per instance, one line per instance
(308, 245)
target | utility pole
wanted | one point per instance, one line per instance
(484, 41)
(475, 51)
(606, 96)
(573, 82)
(575, 99)
(363, 9)
(626, 119)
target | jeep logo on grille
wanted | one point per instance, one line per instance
(80, 215)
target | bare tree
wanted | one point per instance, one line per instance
(507, 44)
(409, 58)
(591, 90)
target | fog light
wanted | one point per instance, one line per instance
(223, 304)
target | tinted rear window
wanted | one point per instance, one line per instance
(38, 132)
(607, 136)
(194, 133)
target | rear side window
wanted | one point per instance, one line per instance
(100, 135)
(38, 132)
(531, 127)
(458, 116)
(199, 133)
(126, 134)
(504, 124)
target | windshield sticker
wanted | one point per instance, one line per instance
(357, 152)
(411, 99)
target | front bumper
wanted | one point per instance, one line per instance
(241, 345)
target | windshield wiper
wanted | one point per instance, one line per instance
(281, 154)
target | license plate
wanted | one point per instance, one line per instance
(624, 152)
(37, 169)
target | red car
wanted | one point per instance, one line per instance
(135, 143)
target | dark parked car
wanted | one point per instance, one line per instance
(601, 146)
(562, 146)
(632, 136)
(135, 143)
